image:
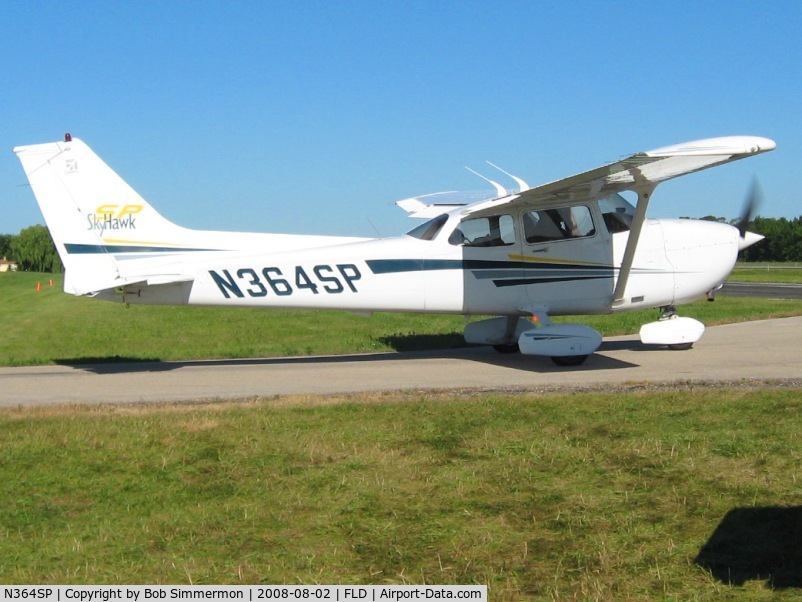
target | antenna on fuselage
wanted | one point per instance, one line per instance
(372, 225)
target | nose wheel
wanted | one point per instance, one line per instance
(569, 360)
(680, 347)
(669, 312)
(672, 331)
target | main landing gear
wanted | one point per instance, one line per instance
(507, 348)
(562, 361)
(565, 344)
(571, 344)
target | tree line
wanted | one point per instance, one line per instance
(783, 240)
(33, 249)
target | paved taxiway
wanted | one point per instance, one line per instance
(770, 349)
(762, 289)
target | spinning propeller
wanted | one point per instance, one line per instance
(751, 203)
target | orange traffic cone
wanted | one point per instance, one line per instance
(38, 286)
(51, 282)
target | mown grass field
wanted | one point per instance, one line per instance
(685, 494)
(785, 273)
(49, 326)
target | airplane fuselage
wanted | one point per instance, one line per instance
(408, 274)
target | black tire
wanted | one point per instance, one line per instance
(569, 360)
(508, 348)
(680, 346)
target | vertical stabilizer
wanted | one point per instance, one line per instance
(91, 212)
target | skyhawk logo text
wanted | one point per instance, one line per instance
(113, 217)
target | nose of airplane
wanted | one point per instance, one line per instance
(748, 239)
(702, 253)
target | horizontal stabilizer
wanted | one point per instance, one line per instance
(167, 279)
(81, 283)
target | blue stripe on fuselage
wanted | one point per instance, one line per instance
(83, 249)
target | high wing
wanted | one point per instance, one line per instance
(640, 171)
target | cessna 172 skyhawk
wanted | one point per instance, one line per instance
(574, 246)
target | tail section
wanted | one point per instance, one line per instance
(93, 215)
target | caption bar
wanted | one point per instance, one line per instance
(247, 593)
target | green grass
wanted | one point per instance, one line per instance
(627, 495)
(49, 326)
(785, 273)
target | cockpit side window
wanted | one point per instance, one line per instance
(491, 231)
(546, 225)
(429, 229)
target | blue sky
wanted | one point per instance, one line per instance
(313, 117)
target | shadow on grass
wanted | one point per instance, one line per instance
(756, 544)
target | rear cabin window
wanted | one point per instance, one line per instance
(429, 229)
(491, 231)
(547, 225)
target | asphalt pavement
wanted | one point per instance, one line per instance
(763, 350)
(760, 289)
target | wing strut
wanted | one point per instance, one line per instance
(644, 194)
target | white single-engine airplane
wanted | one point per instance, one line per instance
(574, 246)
